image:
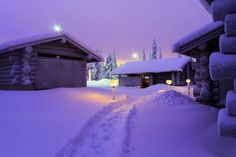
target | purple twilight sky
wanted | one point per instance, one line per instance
(123, 25)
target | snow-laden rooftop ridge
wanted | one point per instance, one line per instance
(198, 37)
(42, 38)
(153, 66)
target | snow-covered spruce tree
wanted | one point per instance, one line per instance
(98, 66)
(143, 55)
(154, 49)
(159, 52)
(110, 65)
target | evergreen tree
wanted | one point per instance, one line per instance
(160, 53)
(111, 64)
(143, 55)
(154, 49)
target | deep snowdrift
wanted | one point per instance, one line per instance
(171, 124)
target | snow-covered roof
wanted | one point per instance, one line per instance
(206, 4)
(44, 38)
(199, 37)
(153, 66)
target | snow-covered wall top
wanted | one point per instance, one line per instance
(153, 66)
(199, 37)
(44, 38)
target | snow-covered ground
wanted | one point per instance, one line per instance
(39, 123)
(84, 122)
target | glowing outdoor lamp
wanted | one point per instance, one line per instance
(57, 28)
(168, 82)
(113, 84)
(135, 56)
(188, 81)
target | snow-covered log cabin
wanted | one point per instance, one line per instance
(45, 61)
(200, 45)
(222, 61)
(150, 72)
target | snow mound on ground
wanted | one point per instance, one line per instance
(171, 124)
(173, 98)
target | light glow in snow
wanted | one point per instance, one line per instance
(57, 28)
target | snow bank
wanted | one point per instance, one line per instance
(171, 124)
(226, 124)
(39, 123)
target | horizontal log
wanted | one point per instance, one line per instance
(227, 44)
(205, 94)
(195, 65)
(220, 8)
(226, 124)
(197, 78)
(6, 80)
(222, 66)
(215, 99)
(230, 25)
(199, 84)
(5, 77)
(215, 91)
(204, 60)
(198, 99)
(9, 67)
(231, 102)
(198, 72)
(196, 91)
(234, 85)
(215, 84)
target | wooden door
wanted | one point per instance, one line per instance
(56, 72)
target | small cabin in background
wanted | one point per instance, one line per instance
(151, 72)
(200, 45)
(45, 61)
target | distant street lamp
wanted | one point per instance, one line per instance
(113, 84)
(188, 81)
(135, 56)
(57, 28)
(168, 82)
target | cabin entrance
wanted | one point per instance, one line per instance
(146, 79)
(57, 72)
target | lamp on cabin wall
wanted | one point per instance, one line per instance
(168, 82)
(113, 84)
(188, 81)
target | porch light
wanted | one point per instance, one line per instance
(188, 81)
(113, 84)
(168, 82)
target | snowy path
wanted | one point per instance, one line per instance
(104, 135)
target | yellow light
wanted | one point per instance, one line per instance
(169, 82)
(188, 81)
(114, 83)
